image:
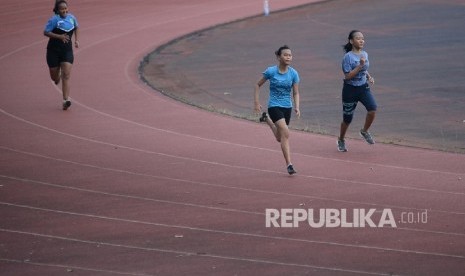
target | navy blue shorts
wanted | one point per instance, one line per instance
(55, 57)
(351, 95)
(277, 113)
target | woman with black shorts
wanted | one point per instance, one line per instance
(283, 78)
(356, 89)
(60, 29)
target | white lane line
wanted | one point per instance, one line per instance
(224, 186)
(239, 234)
(17, 179)
(71, 268)
(192, 254)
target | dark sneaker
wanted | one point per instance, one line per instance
(290, 170)
(66, 104)
(341, 145)
(263, 118)
(367, 136)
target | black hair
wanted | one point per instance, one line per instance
(348, 47)
(57, 5)
(278, 52)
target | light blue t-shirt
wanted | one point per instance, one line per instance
(352, 60)
(281, 86)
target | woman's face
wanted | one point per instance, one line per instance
(63, 9)
(358, 40)
(285, 57)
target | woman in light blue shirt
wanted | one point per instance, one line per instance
(284, 86)
(356, 89)
(60, 29)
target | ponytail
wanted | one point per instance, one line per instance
(278, 52)
(348, 46)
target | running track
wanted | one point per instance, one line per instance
(129, 182)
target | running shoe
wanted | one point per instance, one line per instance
(263, 117)
(290, 169)
(66, 104)
(367, 136)
(341, 145)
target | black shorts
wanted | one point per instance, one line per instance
(351, 95)
(55, 57)
(277, 113)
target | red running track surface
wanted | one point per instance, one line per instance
(130, 182)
